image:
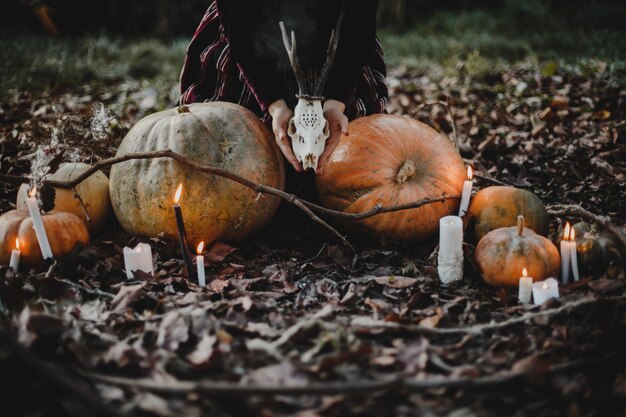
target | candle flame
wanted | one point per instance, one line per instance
(470, 172)
(33, 191)
(200, 247)
(566, 231)
(544, 286)
(179, 192)
(572, 234)
(524, 272)
(17, 244)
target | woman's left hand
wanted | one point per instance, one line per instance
(338, 124)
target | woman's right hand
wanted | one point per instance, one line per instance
(281, 114)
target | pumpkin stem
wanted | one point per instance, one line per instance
(183, 109)
(520, 225)
(406, 172)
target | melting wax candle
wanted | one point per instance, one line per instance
(40, 230)
(138, 259)
(525, 287)
(467, 192)
(15, 256)
(545, 290)
(200, 265)
(450, 258)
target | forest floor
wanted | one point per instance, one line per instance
(291, 323)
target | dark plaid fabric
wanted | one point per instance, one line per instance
(209, 74)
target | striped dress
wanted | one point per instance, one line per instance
(210, 73)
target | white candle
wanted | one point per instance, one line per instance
(525, 287)
(200, 265)
(566, 254)
(467, 192)
(574, 254)
(15, 256)
(40, 230)
(450, 259)
(138, 259)
(545, 290)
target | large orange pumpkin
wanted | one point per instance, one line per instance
(221, 135)
(392, 160)
(64, 230)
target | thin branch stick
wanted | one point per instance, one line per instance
(578, 211)
(396, 381)
(304, 205)
(86, 290)
(489, 179)
(478, 328)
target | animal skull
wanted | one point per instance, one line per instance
(308, 130)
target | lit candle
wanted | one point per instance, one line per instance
(182, 234)
(15, 256)
(566, 254)
(450, 258)
(525, 287)
(467, 192)
(40, 230)
(574, 254)
(545, 290)
(200, 265)
(138, 259)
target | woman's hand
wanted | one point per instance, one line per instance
(338, 124)
(281, 114)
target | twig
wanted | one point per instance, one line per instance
(489, 179)
(89, 291)
(304, 205)
(397, 381)
(578, 211)
(478, 328)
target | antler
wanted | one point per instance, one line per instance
(303, 86)
(330, 56)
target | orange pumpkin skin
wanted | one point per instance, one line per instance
(392, 160)
(221, 135)
(503, 253)
(64, 230)
(494, 207)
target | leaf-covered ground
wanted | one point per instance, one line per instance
(292, 308)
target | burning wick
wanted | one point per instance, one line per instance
(15, 256)
(467, 192)
(525, 287)
(200, 265)
(182, 234)
(40, 230)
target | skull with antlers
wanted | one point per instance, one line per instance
(308, 129)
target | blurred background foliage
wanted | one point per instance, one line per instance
(97, 41)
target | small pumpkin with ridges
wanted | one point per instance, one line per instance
(502, 254)
(64, 230)
(499, 206)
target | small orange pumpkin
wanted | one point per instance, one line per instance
(499, 206)
(503, 253)
(392, 160)
(64, 230)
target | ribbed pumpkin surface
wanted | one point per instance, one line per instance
(221, 135)
(64, 231)
(392, 160)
